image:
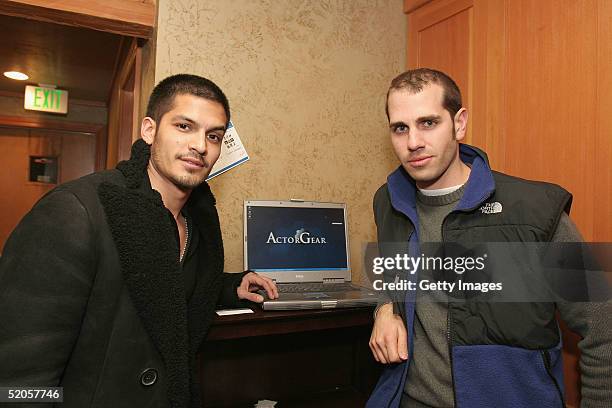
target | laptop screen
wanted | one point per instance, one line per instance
(295, 236)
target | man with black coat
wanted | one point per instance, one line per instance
(109, 284)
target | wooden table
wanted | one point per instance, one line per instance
(311, 358)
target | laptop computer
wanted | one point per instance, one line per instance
(304, 247)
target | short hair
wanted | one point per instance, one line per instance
(161, 100)
(415, 80)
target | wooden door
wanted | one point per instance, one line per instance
(124, 106)
(75, 154)
(440, 36)
(551, 99)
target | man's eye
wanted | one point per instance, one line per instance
(214, 137)
(428, 123)
(400, 129)
(183, 126)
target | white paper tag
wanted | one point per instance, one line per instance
(232, 154)
(228, 312)
(265, 404)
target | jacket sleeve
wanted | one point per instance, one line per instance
(229, 295)
(46, 272)
(591, 320)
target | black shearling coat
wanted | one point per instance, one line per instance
(92, 298)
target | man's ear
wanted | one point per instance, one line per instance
(148, 128)
(460, 122)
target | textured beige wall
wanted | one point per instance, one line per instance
(306, 82)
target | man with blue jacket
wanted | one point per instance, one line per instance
(470, 354)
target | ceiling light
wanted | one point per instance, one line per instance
(19, 76)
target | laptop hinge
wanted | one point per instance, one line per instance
(333, 280)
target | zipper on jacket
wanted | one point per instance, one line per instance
(449, 337)
(546, 358)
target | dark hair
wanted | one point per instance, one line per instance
(416, 79)
(162, 97)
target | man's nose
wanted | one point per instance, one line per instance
(415, 140)
(199, 143)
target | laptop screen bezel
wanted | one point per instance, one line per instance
(296, 276)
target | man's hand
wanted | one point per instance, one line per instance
(389, 341)
(252, 282)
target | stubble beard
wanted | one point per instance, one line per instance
(185, 182)
(188, 182)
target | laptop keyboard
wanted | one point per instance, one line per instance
(314, 287)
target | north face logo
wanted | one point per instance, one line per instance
(491, 208)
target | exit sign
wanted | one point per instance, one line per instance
(46, 99)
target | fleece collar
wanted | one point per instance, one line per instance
(479, 187)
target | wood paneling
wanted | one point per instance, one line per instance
(14, 153)
(126, 125)
(411, 5)
(602, 177)
(147, 79)
(99, 132)
(126, 17)
(79, 146)
(487, 112)
(43, 143)
(42, 123)
(124, 107)
(76, 153)
(440, 37)
(550, 97)
(101, 146)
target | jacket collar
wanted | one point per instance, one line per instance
(480, 184)
(135, 172)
